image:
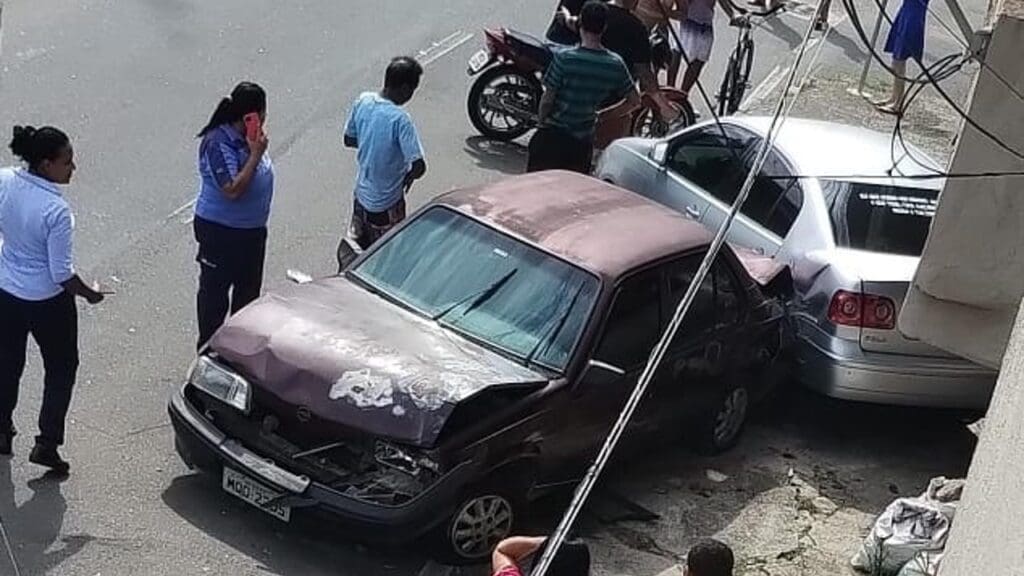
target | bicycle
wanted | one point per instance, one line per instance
(737, 71)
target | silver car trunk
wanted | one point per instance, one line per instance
(886, 275)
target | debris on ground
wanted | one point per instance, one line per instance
(910, 536)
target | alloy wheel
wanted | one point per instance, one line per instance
(479, 525)
(731, 415)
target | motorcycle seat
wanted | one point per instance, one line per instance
(529, 46)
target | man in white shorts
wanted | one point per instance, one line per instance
(697, 35)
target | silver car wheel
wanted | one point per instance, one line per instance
(479, 525)
(731, 415)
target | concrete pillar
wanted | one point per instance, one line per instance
(971, 277)
(988, 531)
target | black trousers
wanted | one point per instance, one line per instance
(230, 272)
(53, 324)
(554, 149)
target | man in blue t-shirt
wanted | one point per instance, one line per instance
(389, 151)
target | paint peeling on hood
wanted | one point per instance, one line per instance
(352, 358)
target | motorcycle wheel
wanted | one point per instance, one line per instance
(516, 88)
(646, 123)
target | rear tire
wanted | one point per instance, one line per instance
(722, 427)
(484, 119)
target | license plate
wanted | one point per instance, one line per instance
(254, 493)
(478, 61)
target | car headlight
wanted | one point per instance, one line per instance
(221, 383)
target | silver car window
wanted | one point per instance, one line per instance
(776, 198)
(880, 218)
(711, 160)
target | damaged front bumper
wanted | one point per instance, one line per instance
(201, 445)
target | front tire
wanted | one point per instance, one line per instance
(515, 89)
(480, 521)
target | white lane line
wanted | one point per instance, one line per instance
(444, 47)
(180, 209)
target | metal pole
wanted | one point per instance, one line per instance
(874, 41)
(962, 22)
(587, 485)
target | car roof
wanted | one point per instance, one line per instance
(822, 148)
(593, 224)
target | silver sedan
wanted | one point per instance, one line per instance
(828, 203)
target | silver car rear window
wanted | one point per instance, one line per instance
(880, 218)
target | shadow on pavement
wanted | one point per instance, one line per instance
(505, 157)
(35, 526)
(866, 454)
(307, 546)
(778, 28)
(859, 456)
(852, 49)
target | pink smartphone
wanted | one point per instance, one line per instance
(253, 126)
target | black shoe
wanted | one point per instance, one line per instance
(47, 456)
(5, 444)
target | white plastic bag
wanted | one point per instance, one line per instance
(924, 564)
(908, 527)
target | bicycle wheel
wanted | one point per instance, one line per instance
(728, 86)
(746, 62)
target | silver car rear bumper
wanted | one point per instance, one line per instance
(840, 369)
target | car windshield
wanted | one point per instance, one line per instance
(879, 218)
(480, 282)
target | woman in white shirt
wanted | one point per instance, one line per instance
(38, 285)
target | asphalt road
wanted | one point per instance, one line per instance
(132, 81)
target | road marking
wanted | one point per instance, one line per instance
(180, 209)
(443, 47)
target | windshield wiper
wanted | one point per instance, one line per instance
(547, 339)
(478, 297)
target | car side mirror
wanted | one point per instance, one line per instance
(659, 153)
(599, 373)
(348, 251)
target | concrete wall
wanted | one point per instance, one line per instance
(971, 277)
(967, 298)
(988, 531)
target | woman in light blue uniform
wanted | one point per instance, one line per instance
(236, 188)
(38, 285)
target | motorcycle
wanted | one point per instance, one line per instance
(504, 99)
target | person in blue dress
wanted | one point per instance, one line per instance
(905, 42)
(236, 188)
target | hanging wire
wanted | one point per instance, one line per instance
(587, 484)
(9, 548)
(851, 10)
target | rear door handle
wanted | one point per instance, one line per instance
(693, 212)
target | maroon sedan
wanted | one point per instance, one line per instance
(475, 357)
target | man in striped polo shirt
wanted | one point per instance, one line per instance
(577, 82)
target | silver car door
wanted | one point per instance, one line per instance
(701, 165)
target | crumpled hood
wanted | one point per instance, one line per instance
(355, 359)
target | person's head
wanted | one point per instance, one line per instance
(593, 18)
(573, 559)
(401, 79)
(709, 558)
(246, 98)
(47, 152)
